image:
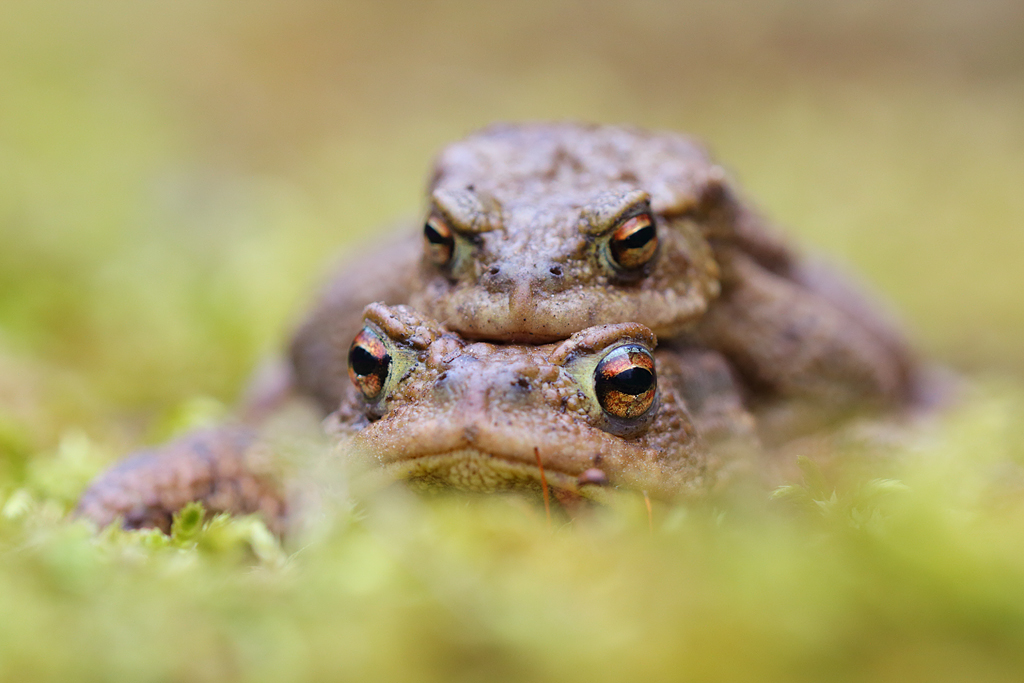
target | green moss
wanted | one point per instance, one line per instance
(839, 577)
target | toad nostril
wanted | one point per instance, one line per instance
(493, 270)
(556, 271)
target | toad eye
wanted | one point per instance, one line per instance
(634, 242)
(439, 241)
(368, 363)
(625, 382)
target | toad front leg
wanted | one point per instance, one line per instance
(791, 342)
(225, 468)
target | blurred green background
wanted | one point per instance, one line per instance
(176, 177)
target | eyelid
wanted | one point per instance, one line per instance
(402, 325)
(609, 209)
(596, 339)
(436, 212)
(466, 211)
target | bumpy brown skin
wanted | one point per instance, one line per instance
(708, 386)
(223, 468)
(532, 206)
(795, 342)
(476, 416)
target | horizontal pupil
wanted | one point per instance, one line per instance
(435, 237)
(365, 363)
(637, 238)
(633, 381)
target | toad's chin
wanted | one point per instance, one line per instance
(472, 470)
(493, 315)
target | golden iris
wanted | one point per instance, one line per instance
(634, 242)
(438, 240)
(625, 382)
(368, 363)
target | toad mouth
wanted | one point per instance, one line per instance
(469, 469)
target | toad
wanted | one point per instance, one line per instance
(599, 411)
(536, 231)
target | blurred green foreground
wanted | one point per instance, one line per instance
(174, 178)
